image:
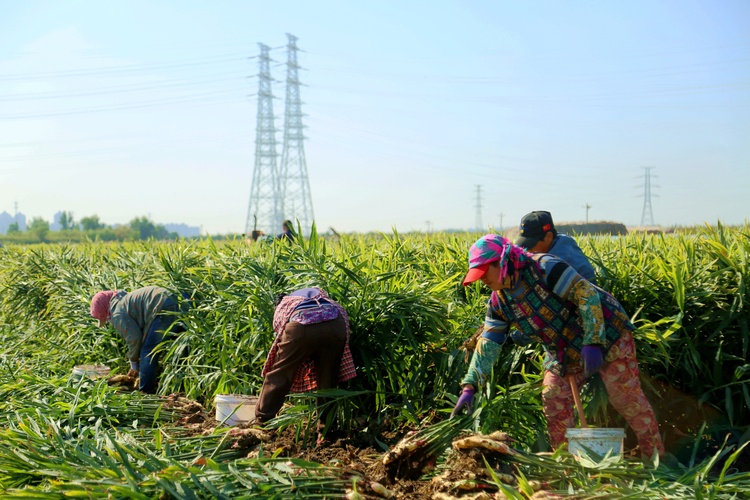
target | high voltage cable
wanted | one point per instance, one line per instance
(417, 95)
(552, 76)
(116, 70)
(195, 98)
(120, 149)
(117, 90)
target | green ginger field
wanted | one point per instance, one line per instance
(410, 319)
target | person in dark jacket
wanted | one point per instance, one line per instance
(287, 231)
(141, 317)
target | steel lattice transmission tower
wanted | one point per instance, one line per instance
(647, 215)
(265, 210)
(294, 183)
(478, 215)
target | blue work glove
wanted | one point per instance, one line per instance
(465, 399)
(592, 359)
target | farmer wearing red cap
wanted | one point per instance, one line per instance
(141, 317)
(582, 329)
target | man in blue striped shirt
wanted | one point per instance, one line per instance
(538, 235)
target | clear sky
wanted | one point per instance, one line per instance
(147, 108)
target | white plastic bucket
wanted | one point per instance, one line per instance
(89, 371)
(595, 442)
(235, 408)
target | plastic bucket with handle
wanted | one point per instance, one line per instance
(235, 409)
(595, 442)
(91, 372)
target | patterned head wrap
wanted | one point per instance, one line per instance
(100, 305)
(490, 248)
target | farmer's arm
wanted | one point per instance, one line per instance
(488, 349)
(568, 284)
(133, 335)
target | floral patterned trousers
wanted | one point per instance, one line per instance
(622, 380)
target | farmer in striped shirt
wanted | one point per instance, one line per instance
(582, 329)
(537, 234)
(310, 351)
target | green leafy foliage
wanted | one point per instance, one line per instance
(409, 315)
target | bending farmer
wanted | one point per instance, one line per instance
(582, 328)
(141, 317)
(310, 352)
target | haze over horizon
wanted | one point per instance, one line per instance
(148, 108)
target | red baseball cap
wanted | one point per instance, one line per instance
(476, 273)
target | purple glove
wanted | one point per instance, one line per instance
(592, 359)
(465, 399)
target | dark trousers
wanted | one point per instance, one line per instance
(149, 367)
(323, 343)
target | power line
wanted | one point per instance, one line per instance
(167, 84)
(119, 70)
(213, 97)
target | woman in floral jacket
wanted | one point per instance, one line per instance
(582, 329)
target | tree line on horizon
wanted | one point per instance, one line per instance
(89, 228)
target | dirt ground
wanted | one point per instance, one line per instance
(462, 477)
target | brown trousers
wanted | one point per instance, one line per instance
(323, 343)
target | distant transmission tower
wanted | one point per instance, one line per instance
(647, 216)
(294, 183)
(478, 220)
(265, 211)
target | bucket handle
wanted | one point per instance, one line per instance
(577, 399)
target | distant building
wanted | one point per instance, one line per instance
(184, 230)
(6, 220)
(55, 226)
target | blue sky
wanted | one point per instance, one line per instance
(130, 108)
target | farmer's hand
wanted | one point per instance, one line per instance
(465, 399)
(592, 359)
(133, 373)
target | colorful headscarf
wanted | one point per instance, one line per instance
(490, 248)
(100, 305)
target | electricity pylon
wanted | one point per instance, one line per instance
(294, 182)
(478, 215)
(647, 215)
(265, 211)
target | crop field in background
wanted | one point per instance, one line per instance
(410, 318)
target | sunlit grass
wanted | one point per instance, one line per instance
(409, 315)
